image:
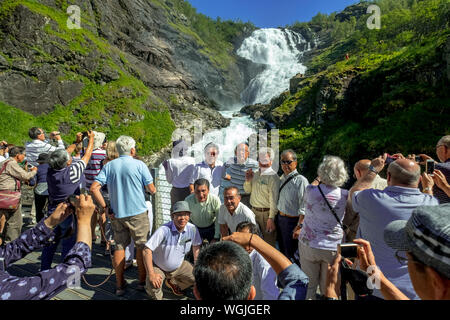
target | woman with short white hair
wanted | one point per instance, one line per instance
(321, 231)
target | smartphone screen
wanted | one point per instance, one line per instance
(430, 167)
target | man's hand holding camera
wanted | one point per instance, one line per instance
(378, 163)
(62, 211)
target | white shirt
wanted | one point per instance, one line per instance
(169, 246)
(213, 175)
(179, 171)
(35, 148)
(2, 158)
(264, 278)
(242, 213)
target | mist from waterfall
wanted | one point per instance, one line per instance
(278, 50)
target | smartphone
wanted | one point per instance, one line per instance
(390, 159)
(429, 167)
(72, 200)
(348, 250)
(85, 142)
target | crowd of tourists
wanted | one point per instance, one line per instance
(238, 229)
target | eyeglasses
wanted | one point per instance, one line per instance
(288, 162)
(182, 214)
(229, 198)
(401, 256)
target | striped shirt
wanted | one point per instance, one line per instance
(36, 147)
(76, 171)
(94, 166)
(237, 172)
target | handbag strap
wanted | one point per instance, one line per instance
(344, 227)
(286, 182)
(4, 166)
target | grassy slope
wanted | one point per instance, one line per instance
(101, 107)
(396, 112)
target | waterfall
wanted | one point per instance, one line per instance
(278, 50)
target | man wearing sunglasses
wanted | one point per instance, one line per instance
(291, 206)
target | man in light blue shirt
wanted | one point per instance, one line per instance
(377, 208)
(291, 204)
(165, 252)
(125, 178)
(264, 277)
(210, 169)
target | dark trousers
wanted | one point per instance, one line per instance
(178, 194)
(68, 242)
(285, 228)
(39, 203)
(207, 233)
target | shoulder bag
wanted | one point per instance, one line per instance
(10, 199)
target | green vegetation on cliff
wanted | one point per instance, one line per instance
(112, 99)
(391, 95)
(215, 37)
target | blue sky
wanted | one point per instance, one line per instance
(268, 13)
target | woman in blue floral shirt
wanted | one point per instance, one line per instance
(48, 283)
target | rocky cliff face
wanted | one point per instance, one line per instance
(121, 44)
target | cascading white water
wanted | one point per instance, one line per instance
(277, 49)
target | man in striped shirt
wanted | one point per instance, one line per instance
(236, 167)
(39, 145)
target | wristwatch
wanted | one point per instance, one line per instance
(372, 168)
(300, 225)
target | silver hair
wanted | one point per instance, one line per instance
(444, 141)
(332, 171)
(285, 152)
(58, 159)
(269, 151)
(211, 145)
(124, 144)
(403, 176)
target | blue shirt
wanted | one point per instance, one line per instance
(264, 278)
(169, 246)
(291, 197)
(294, 283)
(125, 178)
(377, 208)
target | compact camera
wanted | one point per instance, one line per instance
(348, 250)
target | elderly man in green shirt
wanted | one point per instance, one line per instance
(205, 211)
